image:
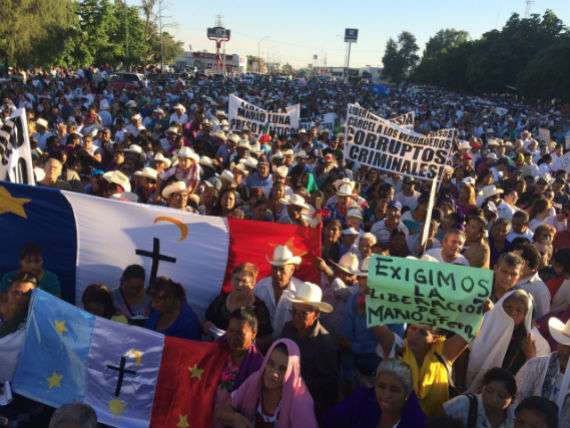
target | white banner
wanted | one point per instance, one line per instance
(381, 144)
(15, 152)
(326, 121)
(405, 120)
(242, 113)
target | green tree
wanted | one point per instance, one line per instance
(287, 69)
(399, 57)
(444, 39)
(26, 26)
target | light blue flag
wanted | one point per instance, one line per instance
(53, 362)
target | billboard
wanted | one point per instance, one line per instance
(351, 35)
(219, 33)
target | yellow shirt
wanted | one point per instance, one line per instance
(430, 380)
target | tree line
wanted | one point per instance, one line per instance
(71, 33)
(528, 56)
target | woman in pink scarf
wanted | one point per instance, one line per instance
(273, 396)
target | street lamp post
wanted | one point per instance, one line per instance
(259, 52)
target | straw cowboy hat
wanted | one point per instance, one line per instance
(296, 200)
(349, 264)
(147, 172)
(42, 122)
(117, 177)
(344, 190)
(311, 294)
(159, 157)
(229, 176)
(281, 171)
(187, 152)
(489, 191)
(178, 186)
(283, 256)
(179, 107)
(559, 331)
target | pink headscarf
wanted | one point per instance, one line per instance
(297, 407)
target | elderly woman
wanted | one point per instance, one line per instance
(492, 407)
(219, 313)
(170, 313)
(130, 298)
(243, 357)
(392, 402)
(275, 395)
(505, 339)
(14, 310)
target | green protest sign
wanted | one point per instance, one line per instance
(420, 292)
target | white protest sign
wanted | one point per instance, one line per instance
(383, 145)
(242, 113)
(15, 152)
(544, 135)
(326, 121)
(405, 120)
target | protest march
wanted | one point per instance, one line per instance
(294, 253)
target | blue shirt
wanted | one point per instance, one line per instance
(354, 327)
(186, 326)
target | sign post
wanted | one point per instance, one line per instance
(219, 35)
(350, 37)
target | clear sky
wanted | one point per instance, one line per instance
(297, 30)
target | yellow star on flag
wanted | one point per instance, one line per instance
(54, 380)
(10, 204)
(116, 407)
(183, 422)
(60, 327)
(195, 371)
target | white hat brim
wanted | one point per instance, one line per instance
(295, 260)
(556, 328)
(320, 306)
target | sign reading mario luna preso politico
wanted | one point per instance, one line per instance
(242, 113)
(381, 144)
(421, 292)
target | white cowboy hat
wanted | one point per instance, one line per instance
(135, 148)
(354, 212)
(296, 200)
(173, 129)
(136, 117)
(206, 161)
(244, 144)
(350, 231)
(281, 171)
(235, 138)
(559, 331)
(187, 152)
(229, 176)
(344, 190)
(147, 172)
(288, 152)
(221, 113)
(180, 107)
(220, 134)
(159, 157)
(128, 196)
(490, 190)
(341, 181)
(131, 103)
(42, 122)
(178, 186)
(249, 162)
(283, 256)
(349, 264)
(310, 294)
(241, 168)
(117, 177)
(302, 154)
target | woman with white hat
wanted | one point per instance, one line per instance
(187, 169)
(296, 207)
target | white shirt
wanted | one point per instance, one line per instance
(458, 408)
(512, 235)
(534, 286)
(531, 377)
(436, 254)
(382, 233)
(504, 210)
(279, 313)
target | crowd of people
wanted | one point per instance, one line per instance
(301, 354)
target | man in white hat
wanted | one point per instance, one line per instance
(296, 207)
(344, 202)
(145, 184)
(547, 376)
(176, 196)
(319, 365)
(179, 114)
(135, 126)
(42, 134)
(274, 289)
